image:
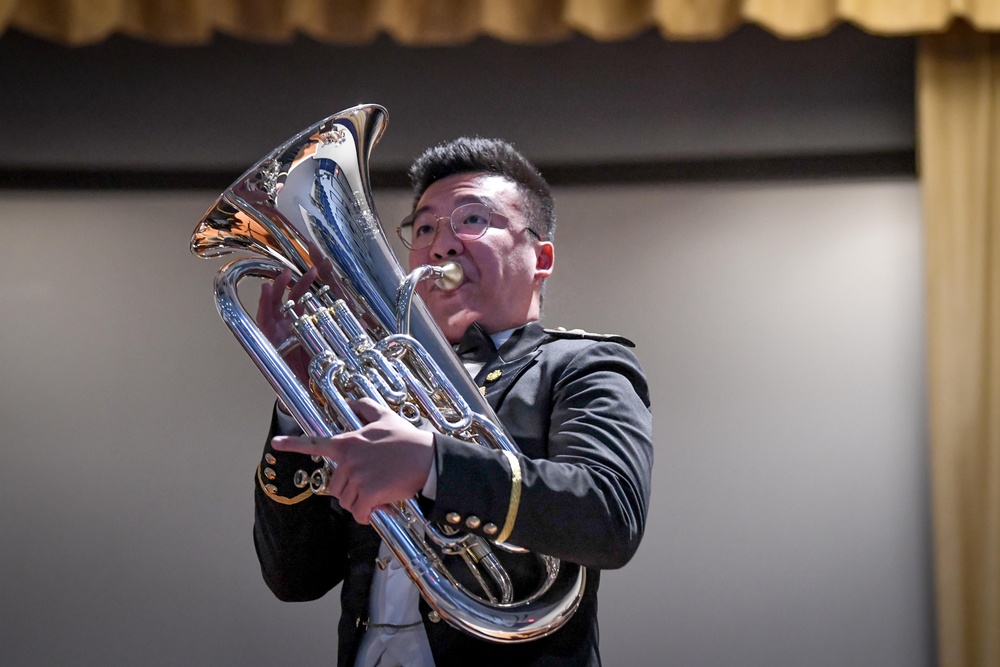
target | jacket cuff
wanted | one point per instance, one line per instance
(276, 470)
(475, 487)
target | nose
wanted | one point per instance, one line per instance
(445, 243)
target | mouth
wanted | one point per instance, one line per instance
(447, 295)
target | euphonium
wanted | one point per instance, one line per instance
(309, 202)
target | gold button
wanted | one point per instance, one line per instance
(269, 473)
(433, 616)
(490, 529)
(271, 488)
(473, 522)
(453, 517)
(269, 457)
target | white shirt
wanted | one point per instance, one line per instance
(394, 600)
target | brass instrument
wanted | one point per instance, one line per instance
(310, 201)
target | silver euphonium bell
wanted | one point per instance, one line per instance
(309, 202)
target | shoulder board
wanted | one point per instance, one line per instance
(580, 334)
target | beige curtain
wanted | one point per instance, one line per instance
(454, 21)
(958, 82)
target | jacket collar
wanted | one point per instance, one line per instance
(523, 341)
(476, 345)
(498, 375)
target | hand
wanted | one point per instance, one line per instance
(275, 325)
(385, 461)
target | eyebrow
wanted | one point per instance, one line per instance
(461, 201)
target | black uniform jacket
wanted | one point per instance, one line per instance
(578, 409)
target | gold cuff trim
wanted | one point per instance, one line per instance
(515, 496)
(273, 495)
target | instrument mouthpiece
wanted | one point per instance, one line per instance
(449, 276)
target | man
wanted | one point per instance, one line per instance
(575, 404)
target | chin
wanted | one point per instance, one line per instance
(454, 325)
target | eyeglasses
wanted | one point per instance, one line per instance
(468, 221)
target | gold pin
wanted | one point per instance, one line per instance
(482, 390)
(494, 375)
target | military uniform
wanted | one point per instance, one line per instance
(577, 406)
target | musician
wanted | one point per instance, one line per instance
(576, 405)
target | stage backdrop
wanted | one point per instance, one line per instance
(780, 325)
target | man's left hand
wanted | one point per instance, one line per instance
(385, 461)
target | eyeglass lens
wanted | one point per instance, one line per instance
(468, 221)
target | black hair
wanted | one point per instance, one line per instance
(493, 156)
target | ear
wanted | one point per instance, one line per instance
(545, 258)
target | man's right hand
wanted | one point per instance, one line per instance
(277, 326)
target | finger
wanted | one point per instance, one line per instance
(325, 269)
(303, 284)
(356, 505)
(321, 262)
(270, 299)
(348, 500)
(337, 485)
(368, 410)
(351, 501)
(362, 514)
(264, 312)
(364, 518)
(276, 290)
(307, 445)
(315, 254)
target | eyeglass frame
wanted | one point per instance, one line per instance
(411, 219)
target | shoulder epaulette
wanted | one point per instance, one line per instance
(580, 334)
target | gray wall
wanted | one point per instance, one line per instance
(780, 326)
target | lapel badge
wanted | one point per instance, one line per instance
(494, 375)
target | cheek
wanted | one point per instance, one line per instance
(412, 261)
(517, 264)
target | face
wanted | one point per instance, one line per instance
(504, 268)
